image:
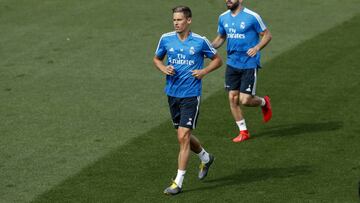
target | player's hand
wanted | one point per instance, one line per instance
(198, 74)
(252, 51)
(169, 70)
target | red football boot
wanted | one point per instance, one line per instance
(243, 135)
(266, 110)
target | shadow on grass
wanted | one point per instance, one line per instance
(244, 176)
(300, 129)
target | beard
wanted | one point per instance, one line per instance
(234, 6)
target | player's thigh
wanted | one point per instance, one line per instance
(184, 133)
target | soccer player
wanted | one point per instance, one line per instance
(184, 70)
(246, 35)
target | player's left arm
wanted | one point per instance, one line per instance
(214, 64)
(265, 39)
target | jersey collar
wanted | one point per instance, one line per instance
(189, 37)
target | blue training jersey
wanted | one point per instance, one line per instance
(242, 33)
(184, 56)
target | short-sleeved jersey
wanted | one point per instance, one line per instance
(184, 56)
(242, 33)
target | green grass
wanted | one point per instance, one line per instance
(77, 83)
(308, 152)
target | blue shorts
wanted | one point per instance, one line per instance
(243, 80)
(184, 111)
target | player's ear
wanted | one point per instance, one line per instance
(188, 20)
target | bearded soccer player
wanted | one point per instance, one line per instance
(246, 35)
(184, 70)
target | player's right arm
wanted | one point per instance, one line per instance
(218, 41)
(221, 37)
(167, 70)
(159, 58)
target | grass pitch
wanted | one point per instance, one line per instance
(83, 116)
(308, 152)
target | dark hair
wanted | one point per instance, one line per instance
(183, 9)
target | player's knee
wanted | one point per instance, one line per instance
(233, 99)
(184, 137)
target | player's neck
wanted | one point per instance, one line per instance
(183, 35)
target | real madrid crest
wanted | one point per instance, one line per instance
(192, 51)
(242, 25)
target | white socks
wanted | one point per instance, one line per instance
(241, 124)
(179, 178)
(204, 156)
(263, 102)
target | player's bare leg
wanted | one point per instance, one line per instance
(195, 145)
(206, 158)
(234, 105)
(250, 100)
(234, 101)
(253, 101)
(183, 136)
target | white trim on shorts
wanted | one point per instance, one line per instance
(253, 92)
(197, 113)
